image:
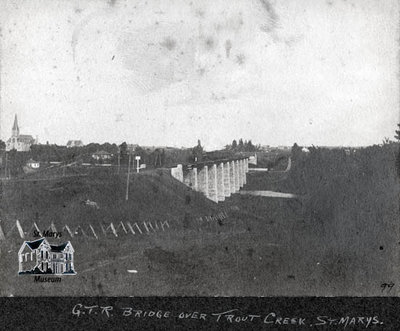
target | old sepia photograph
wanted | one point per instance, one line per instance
(221, 148)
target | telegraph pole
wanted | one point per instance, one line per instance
(137, 163)
(5, 170)
(127, 180)
(119, 159)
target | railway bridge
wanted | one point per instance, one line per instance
(217, 179)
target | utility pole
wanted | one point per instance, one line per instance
(137, 163)
(5, 169)
(119, 159)
(127, 180)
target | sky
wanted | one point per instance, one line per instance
(170, 72)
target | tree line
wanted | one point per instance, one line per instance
(242, 146)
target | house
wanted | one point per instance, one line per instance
(39, 257)
(253, 159)
(102, 155)
(74, 143)
(266, 148)
(33, 164)
(19, 142)
(285, 148)
(132, 147)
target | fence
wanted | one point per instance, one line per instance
(112, 229)
(89, 231)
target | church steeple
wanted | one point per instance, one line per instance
(15, 128)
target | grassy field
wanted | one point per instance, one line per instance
(340, 237)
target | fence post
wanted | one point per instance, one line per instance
(130, 227)
(94, 233)
(69, 230)
(2, 236)
(138, 228)
(164, 223)
(113, 229)
(123, 227)
(19, 227)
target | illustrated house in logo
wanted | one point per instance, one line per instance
(39, 257)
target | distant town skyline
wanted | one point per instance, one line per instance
(172, 72)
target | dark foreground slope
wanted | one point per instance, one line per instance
(207, 249)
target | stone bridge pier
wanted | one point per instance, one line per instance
(217, 180)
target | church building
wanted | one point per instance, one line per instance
(20, 142)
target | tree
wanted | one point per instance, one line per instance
(163, 157)
(397, 136)
(123, 150)
(296, 151)
(250, 147)
(2, 145)
(123, 147)
(240, 145)
(16, 160)
(234, 144)
(197, 152)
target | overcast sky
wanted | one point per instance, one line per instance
(169, 72)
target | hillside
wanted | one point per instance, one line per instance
(198, 254)
(152, 195)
